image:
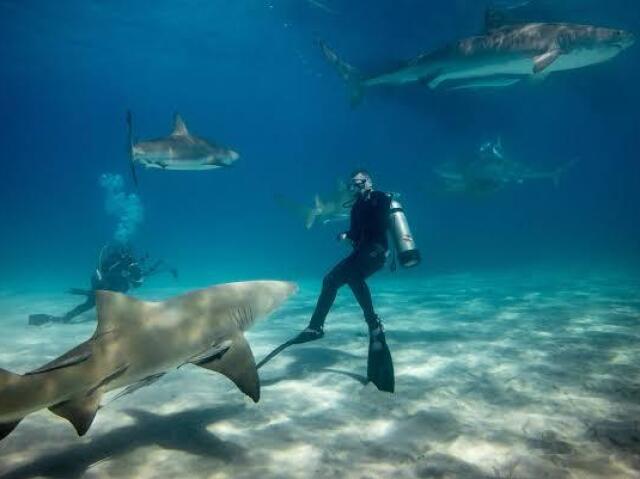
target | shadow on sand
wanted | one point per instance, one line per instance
(184, 431)
(313, 359)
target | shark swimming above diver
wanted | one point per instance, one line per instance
(490, 170)
(181, 150)
(504, 55)
(336, 206)
(136, 342)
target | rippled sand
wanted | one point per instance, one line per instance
(497, 376)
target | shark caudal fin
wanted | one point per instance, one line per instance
(311, 219)
(314, 212)
(130, 147)
(7, 379)
(349, 74)
(561, 171)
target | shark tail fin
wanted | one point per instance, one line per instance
(7, 379)
(561, 171)
(311, 218)
(130, 147)
(349, 74)
(313, 213)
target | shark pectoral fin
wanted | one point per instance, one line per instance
(239, 365)
(79, 411)
(483, 82)
(541, 62)
(432, 80)
(7, 427)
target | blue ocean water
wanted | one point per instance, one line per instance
(559, 261)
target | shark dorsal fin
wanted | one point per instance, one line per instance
(179, 126)
(117, 310)
(318, 203)
(238, 364)
(494, 18)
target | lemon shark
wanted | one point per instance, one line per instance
(504, 55)
(181, 150)
(136, 341)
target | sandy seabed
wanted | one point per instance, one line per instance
(497, 376)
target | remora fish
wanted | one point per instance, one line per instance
(179, 151)
(136, 341)
(503, 56)
(336, 207)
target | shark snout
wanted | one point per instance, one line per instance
(623, 39)
(230, 157)
(628, 40)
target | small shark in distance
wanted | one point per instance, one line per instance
(337, 207)
(490, 170)
(135, 342)
(181, 150)
(504, 55)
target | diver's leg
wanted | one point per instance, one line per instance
(366, 264)
(331, 283)
(379, 363)
(81, 308)
(336, 278)
(362, 293)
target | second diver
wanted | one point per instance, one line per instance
(118, 270)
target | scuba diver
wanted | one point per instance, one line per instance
(118, 270)
(373, 215)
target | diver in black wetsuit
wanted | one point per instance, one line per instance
(370, 223)
(368, 234)
(118, 270)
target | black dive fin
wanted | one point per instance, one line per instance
(238, 364)
(40, 319)
(80, 291)
(130, 147)
(7, 427)
(79, 411)
(380, 366)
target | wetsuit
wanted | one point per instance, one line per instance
(368, 233)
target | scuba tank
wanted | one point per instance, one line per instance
(406, 249)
